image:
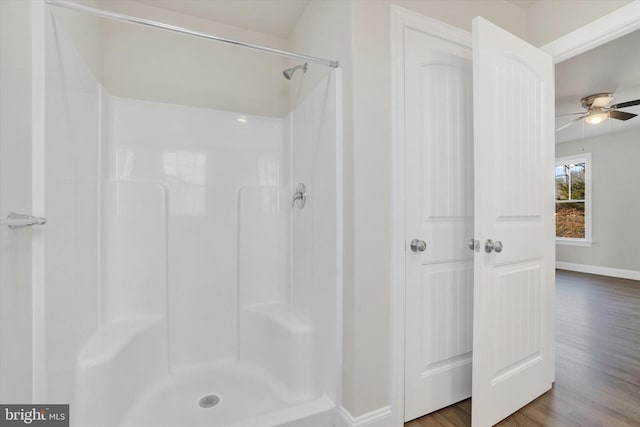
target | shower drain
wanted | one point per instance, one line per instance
(209, 401)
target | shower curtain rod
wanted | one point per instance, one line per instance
(134, 20)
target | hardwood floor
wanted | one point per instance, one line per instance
(597, 360)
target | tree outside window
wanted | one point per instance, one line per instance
(573, 213)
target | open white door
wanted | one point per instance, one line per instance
(513, 351)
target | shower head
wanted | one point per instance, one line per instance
(288, 73)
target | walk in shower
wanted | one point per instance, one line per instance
(189, 274)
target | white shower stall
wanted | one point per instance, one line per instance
(176, 283)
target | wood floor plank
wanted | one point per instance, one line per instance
(597, 361)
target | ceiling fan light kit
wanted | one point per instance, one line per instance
(596, 117)
(597, 100)
(597, 109)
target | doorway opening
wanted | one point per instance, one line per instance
(561, 50)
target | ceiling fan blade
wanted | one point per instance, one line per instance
(626, 104)
(570, 114)
(570, 123)
(621, 115)
(601, 101)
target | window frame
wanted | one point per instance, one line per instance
(588, 229)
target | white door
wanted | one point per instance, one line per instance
(513, 351)
(439, 211)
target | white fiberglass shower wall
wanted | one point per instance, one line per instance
(175, 284)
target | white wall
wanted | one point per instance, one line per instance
(133, 251)
(548, 20)
(314, 238)
(616, 202)
(203, 158)
(67, 192)
(324, 30)
(155, 65)
(15, 196)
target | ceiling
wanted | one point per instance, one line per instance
(277, 17)
(523, 3)
(613, 67)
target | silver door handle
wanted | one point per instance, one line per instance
(418, 245)
(493, 246)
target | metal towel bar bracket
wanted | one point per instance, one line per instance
(15, 220)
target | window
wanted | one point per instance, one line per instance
(573, 200)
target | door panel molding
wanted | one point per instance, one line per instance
(440, 279)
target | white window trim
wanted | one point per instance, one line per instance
(588, 232)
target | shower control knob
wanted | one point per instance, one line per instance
(418, 245)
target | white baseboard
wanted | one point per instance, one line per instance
(378, 418)
(602, 271)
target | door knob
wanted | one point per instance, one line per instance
(418, 245)
(493, 246)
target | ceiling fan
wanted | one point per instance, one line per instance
(597, 110)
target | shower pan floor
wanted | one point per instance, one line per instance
(246, 399)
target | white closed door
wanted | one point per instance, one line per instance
(438, 132)
(513, 351)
